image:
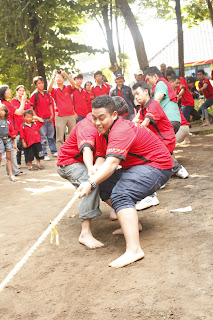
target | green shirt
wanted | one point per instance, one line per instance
(170, 108)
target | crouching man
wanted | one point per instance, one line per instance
(146, 166)
(75, 163)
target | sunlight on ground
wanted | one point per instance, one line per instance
(47, 188)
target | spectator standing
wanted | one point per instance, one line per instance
(101, 87)
(64, 109)
(42, 105)
(124, 92)
(87, 87)
(206, 89)
(79, 98)
(5, 95)
(19, 119)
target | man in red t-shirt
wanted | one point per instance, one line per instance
(64, 110)
(206, 89)
(101, 87)
(42, 105)
(75, 163)
(147, 163)
(79, 98)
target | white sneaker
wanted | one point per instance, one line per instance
(147, 202)
(46, 158)
(55, 154)
(182, 173)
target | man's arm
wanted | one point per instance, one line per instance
(20, 110)
(104, 172)
(203, 87)
(88, 159)
(68, 78)
(52, 81)
(181, 93)
(159, 96)
(145, 122)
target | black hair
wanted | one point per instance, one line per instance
(170, 72)
(86, 84)
(104, 101)
(3, 88)
(79, 76)
(201, 71)
(174, 78)
(98, 72)
(5, 109)
(35, 79)
(151, 71)
(28, 111)
(143, 85)
(120, 105)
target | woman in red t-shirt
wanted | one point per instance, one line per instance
(19, 119)
(87, 87)
(5, 95)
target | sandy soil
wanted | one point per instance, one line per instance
(71, 282)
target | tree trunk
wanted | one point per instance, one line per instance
(112, 54)
(135, 32)
(37, 44)
(180, 38)
(209, 4)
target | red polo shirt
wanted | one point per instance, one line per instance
(11, 109)
(18, 120)
(63, 101)
(187, 98)
(84, 134)
(79, 99)
(88, 102)
(99, 91)
(135, 146)
(208, 92)
(31, 134)
(42, 109)
(159, 123)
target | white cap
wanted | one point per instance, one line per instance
(139, 72)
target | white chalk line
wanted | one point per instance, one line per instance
(38, 242)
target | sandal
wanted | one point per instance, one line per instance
(33, 168)
(41, 167)
(21, 173)
(13, 178)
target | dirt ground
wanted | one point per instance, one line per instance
(71, 282)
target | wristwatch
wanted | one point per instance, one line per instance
(93, 184)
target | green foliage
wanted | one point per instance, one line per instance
(35, 31)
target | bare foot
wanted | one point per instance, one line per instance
(186, 141)
(127, 258)
(89, 241)
(206, 123)
(113, 215)
(120, 231)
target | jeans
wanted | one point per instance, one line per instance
(47, 133)
(203, 109)
(126, 187)
(76, 173)
(187, 110)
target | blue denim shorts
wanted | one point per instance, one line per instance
(6, 145)
(126, 187)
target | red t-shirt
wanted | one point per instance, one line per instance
(18, 120)
(42, 109)
(84, 134)
(79, 99)
(208, 92)
(187, 98)
(99, 91)
(88, 102)
(159, 123)
(11, 109)
(63, 101)
(135, 146)
(31, 134)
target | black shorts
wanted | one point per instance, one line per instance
(35, 150)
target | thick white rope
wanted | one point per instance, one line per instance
(38, 242)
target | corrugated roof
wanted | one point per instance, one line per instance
(198, 46)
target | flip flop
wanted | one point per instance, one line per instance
(13, 178)
(33, 169)
(41, 167)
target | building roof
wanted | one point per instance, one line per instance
(198, 46)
